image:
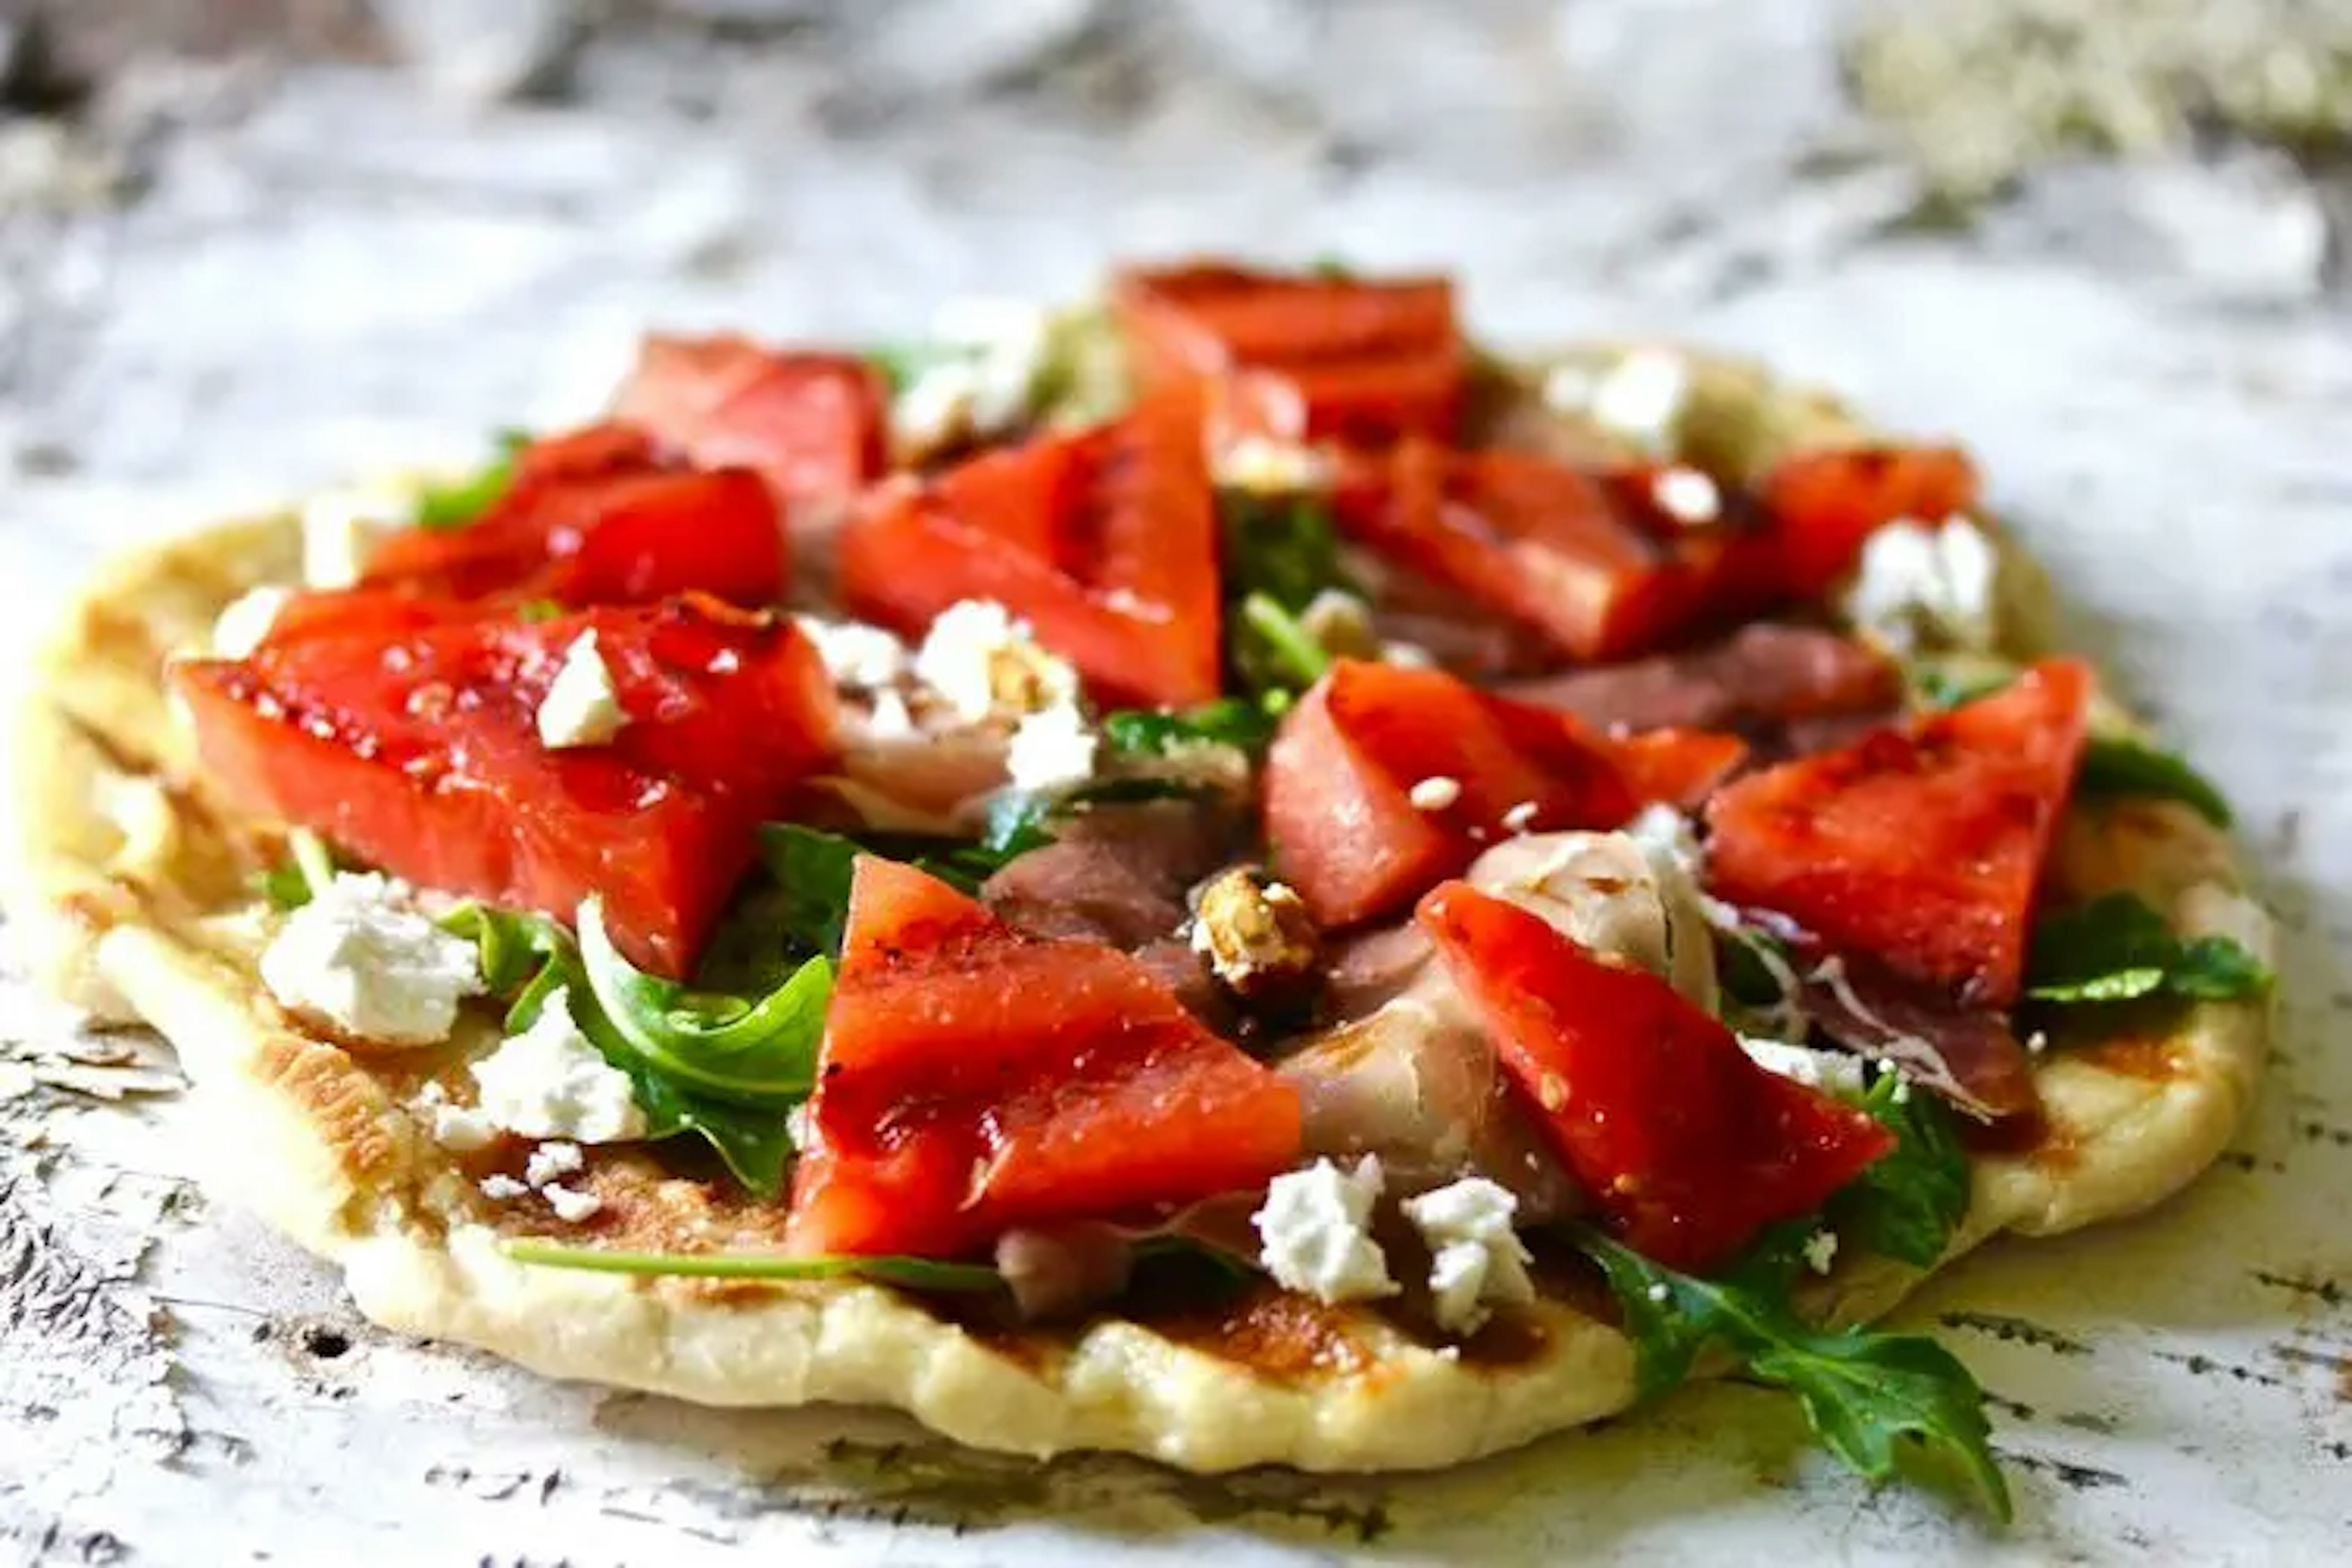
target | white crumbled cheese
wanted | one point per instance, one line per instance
(1675, 856)
(977, 656)
(983, 383)
(462, 1129)
(248, 620)
(2037, 1042)
(582, 708)
(1478, 1259)
(1051, 750)
(1521, 818)
(1434, 793)
(1920, 584)
(550, 1082)
(1407, 656)
(1820, 1251)
(1640, 398)
(888, 719)
(857, 656)
(570, 1204)
(503, 1189)
(1687, 495)
(1267, 466)
(1660, 1292)
(1832, 1072)
(341, 530)
(553, 1160)
(364, 959)
(1315, 1236)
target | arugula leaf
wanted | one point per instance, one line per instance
(812, 867)
(460, 503)
(2112, 767)
(1906, 1206)
(526, 957)
(912, 1273)
(760, 1053)
(1863, 1392)
(1229, 720)
(2117, 949)
(308, 871)
(1280, 553)
(1939, 691)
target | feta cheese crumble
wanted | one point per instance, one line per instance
(550, 1082)
(1832, 1072)
(1478, 1259)
(1316, 1232)
(571, 1205)
(1820, 1251)
(1920, 585)
(582, 708)
(1434, 793)
(1687, 495)
(553, 1160)
(1051, 750)
(364, 959)
(977, 658)
(248, 620)
(1640, 398)
(341, 530)
(1267, 466)
(857, 656)
(501, 1188)
(985, 381)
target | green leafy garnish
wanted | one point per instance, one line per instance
(2112, 767)
(460, 503)
(1907, 1204)
(308, 870)
(526, 957)
(2118, 949)
(1329, 264)
(911, 1273)
(1280, 553)
(758, 1053)
(1246, 723)
(1938, 689)
(812, 867)
(1869, 1398)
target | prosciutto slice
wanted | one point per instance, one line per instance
(1969, 1056)
(1787, 689)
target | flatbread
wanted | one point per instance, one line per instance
(130, 882)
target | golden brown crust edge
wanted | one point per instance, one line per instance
(113, 874)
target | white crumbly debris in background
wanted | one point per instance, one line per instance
(553, 1160)
(550, 1082)
(1267, 466)
(1832, 1072)
(982, 382)
(1477, 1259)
(1920, 585)
(1434, 793)
(1051, 750)
(978, 659)
(341, 530)
(503, 1188)
(570, 1204)
(1820, 1251)
(582, 708)
(362, 958)
(1687, 495)
(857, 656)
(1640, 398)
(1314, 1231)
(247, 620)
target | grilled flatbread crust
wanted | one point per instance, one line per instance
(128, 882)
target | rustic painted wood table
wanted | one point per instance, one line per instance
(338, 275)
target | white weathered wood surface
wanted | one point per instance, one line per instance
(343, 275)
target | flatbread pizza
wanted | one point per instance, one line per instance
(1224, 875)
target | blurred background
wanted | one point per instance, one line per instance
(248, 245)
